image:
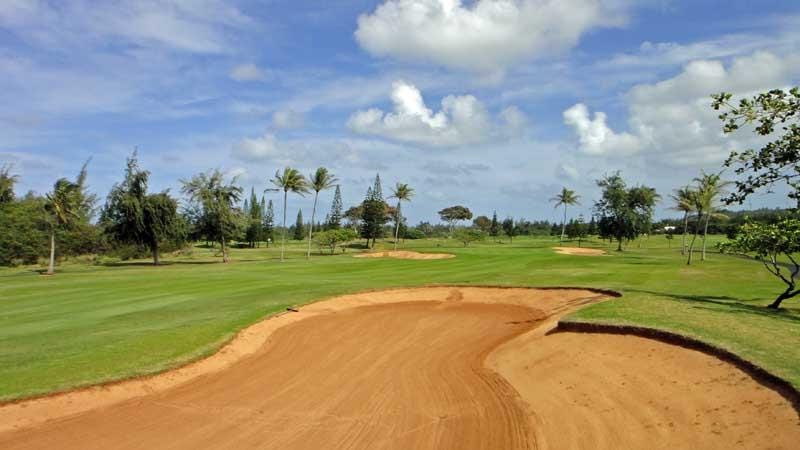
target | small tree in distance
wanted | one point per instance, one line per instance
(454, 214)
(468, 235)
(509, 229)
(298, 227)
(494, 228)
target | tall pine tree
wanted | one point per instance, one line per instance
(253, 212)
(268, 222)
(298, 227)
(494, 229)
(334, 220)
(374, 213)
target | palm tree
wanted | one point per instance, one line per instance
(63, 209)
(217, 198)
(319, 181)
(565, 197)
(684, 201)
(403, 193)
(290, 180)
(709, 188)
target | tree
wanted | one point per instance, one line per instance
(566, 197)
(708, 190)
(624, 213)
(770, 243)
(494, 228)
(577, 229)
(468, 235)
(333, 238)
(483, 223)
(7, 182)
(403, 193)
(334, 221)
(685, 202)
(373, 214)
(778, 160)
(255, 215)
(289, 181)
(133, 216)
(299, 226)
(220, 221)
(62, 206)
(268, 222)
(319, 181)
(353, 216)
(509, 229)
(454, 214)
(592, 228)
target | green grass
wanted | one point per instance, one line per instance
(98, 323)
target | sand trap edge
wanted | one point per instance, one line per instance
(766, 378)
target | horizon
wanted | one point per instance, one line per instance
(249, 87)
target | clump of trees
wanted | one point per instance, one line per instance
(624, 213)
(338, 237)
(216, 217)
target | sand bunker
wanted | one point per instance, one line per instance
(578, 251)
(434, 368)
(404, 254)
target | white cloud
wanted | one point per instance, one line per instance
(287, 119)
(672, 121)
(462, 119)
(247, 72)
(260, 148)
(484, 35)
(595, 137)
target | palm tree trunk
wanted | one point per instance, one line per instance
(564, 224)
(311, 227)
(696, 231)
(51, 269)
(283, 243)
(705, 233)
(397, 226)
(685, 229)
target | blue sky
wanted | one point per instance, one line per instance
(494, 104)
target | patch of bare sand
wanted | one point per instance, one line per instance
(431, 368)
(404, 254)
(579, 251)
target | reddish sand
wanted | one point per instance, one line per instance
(404, 254)
(435, 368)
(579, 251)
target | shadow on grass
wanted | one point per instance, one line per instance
(728, 304)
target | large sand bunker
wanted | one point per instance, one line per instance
(434, 368)
(579, 251)
(404, 254)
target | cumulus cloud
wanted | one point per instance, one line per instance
(484, 35)
(247, 72)
(462, 119)
(595, 137)
(672, 120)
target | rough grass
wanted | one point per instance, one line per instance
(90, 324)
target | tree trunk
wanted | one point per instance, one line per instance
(397, 226)
(696, 231)
(154, 251)
(619, 245)
(705, 234)
(51, 269)
(685, 229)
(311, 226)
(283, 243)
(564, 224)
(788, 293)
(224, 249)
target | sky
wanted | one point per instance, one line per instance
(493, 104)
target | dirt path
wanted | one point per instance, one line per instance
(436, 368)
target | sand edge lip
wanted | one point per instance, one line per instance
(30, 411)
(763, 376)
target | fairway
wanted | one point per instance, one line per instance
(409, 369)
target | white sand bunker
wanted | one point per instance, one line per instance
(577, 251)
(403, 254)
